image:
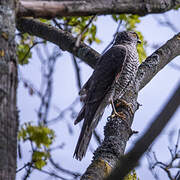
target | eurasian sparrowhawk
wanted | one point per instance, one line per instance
(113, 73)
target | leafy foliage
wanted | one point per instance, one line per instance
(132, 176)
(177, 7)
(130, 21)
(45, 21)
(84, 26)
(39, 158)
(23, 48)
(141, 47)
(42, 137)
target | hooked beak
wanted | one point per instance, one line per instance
(139, 41)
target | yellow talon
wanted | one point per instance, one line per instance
(129, 105)
(119, 114)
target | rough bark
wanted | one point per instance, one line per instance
(53, 9)
(8, 85)
(130, 160)
(166, 53)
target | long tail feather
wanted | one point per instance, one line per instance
(83, 142)
(86, 132)
(80, 115)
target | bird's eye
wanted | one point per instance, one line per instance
(133, 34)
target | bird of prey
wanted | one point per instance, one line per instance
(112, 75)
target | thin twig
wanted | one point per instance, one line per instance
(34, 44)
(168, 172)
(49, 173)
(114, 36)
(169, 24)
(84, 30)
(28, 171)
(170, 165)
(47, 76)
(66, 171)
(77, 69)
(20, 169)
(57, 24)
(97, 137)
(61, 114)
(177, 143)
(166, 23)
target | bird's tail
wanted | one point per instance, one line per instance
(84, 137)
(80, 115)
(83, 142)
(86, 131)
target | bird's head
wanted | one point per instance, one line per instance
(127, 37)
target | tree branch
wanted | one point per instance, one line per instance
(160, 58)
(59, 37)
(130, 160)
(77, 70)
(52, 9)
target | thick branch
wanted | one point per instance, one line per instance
(130, 160)
(52, 9)
(59, 37)
(154, 63)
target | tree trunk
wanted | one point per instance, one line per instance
(8, 86)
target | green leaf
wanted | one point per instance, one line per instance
(77, 25)
(23, 53)
(40, 158)
(130, 22)
(132, 176)
(40, 135)
(177, 7)
(141, 47)
(115, 17)
(97, 40)
(23, 48)
(45, 21)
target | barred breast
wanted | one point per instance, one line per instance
(128, 73)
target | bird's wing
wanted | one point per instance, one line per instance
(109, 65)
(85, 87)
(84, 90)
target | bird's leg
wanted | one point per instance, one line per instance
(129, 105)
(115, 113)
